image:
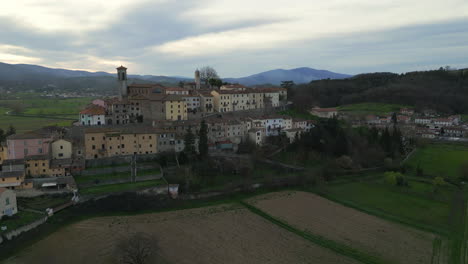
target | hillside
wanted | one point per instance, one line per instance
(445, 91)
(298, 75)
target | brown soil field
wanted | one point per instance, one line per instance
(319, 216)
(220, 234)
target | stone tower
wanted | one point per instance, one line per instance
(122, 76)
(197, 79)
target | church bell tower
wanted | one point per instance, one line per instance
(122, 77)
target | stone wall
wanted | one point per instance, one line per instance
(14, 233)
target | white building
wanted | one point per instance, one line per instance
(93, 115)
(8, 205)
(193, 103)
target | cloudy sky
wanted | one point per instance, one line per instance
(238, 38)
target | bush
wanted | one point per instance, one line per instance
(395, 178)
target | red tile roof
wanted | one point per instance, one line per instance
(94, 110)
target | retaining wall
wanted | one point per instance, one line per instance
(14, 233)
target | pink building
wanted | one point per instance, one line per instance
(99, 102)
(28, 144)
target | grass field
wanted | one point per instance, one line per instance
(120, 187)
(43, 202)
(39, 112)
(20, 219)
(113, 176)
(371, 108)
(439, 160)
(415, 206)
(297, 114)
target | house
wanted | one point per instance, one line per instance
(324, 112)
(29, 144)
(257, 135)
(293, 133)
(8, 205)
(407, 111)
(402, 119)
(93, 115)
(119, 141)
(233, 87)
(176, 90)
(40, 166)
(422, 121)
(192, 102)
(206, 101)
(12, 174)
(61, 149)
(3, 153)
(454, 132)
(442, 122)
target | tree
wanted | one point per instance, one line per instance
(203, 140)
(464, 171)
(215, 82)
(207, 73)
(189, 142)
(11, 131)
(138, 248)
(394, 118)
(288, 85)
(2, 135)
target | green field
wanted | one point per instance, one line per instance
(114, 176)
(298, 114)
(37, 112)
(416, 205)
(20, 219)
(121, 187)
(439, 160)
(371, 108)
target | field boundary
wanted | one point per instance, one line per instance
(318, 240)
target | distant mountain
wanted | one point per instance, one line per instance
(25, 77)
(298, 75)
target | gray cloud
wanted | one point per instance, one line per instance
(129, 39)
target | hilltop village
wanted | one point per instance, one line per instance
(145, 120)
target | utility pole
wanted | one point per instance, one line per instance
(133, 165)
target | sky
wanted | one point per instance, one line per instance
(237, 38)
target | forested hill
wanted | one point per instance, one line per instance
(445, 91)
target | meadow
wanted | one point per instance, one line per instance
(439, 160)
(36, 112)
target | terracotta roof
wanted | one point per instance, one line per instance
(93, 110)
(236, 85)
(176, 89)
(270, 89)
(145, 85)
(324, 109)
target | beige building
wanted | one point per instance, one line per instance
(176, 108)
(40, 166)
(3, 153)
(61, 149)
(8, 205)
(206, 102)
(111, 142)
(222, 101)
(324, 112)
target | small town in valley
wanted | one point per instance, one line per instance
(208, 132)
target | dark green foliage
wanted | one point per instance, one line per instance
(11, 131)
(203, 141)
(2, 135)
(189, 141)
(444, 91)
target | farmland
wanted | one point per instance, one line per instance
(37, 112)
(439, 160)
(313, 214)
(221, 234)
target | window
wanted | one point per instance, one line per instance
(61, 147)
(60, 154)
(7, 201)
(92, 138)
(39, 150)
(94, 147)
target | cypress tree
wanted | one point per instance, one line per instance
(203, 142)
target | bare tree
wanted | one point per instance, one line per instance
(207, 73)
(138, 248)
